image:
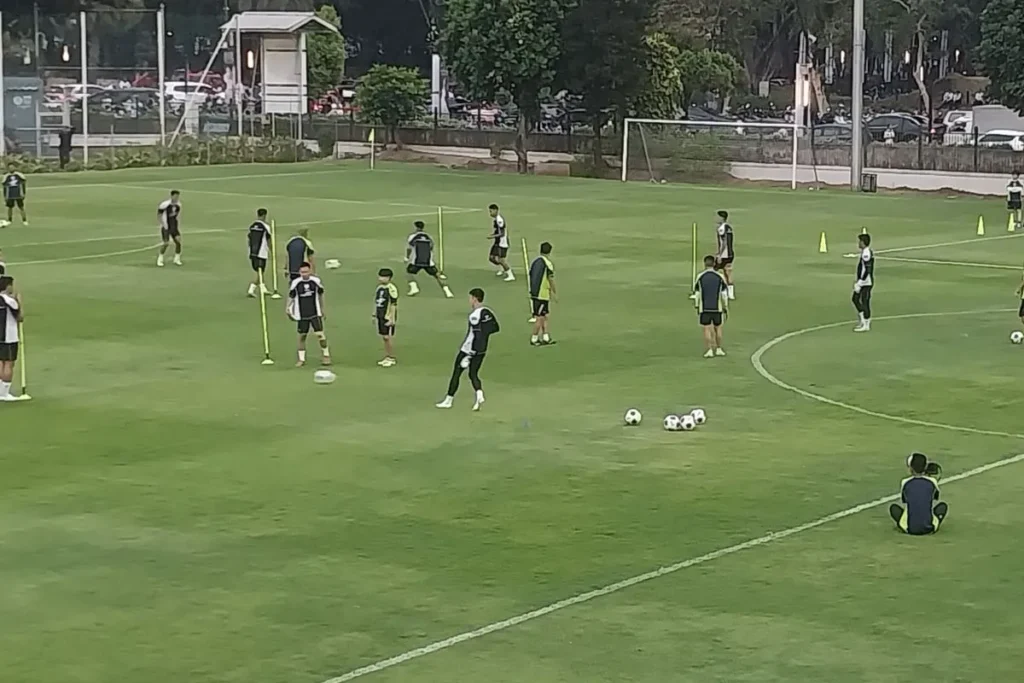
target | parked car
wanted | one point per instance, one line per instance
(833, 132)
(1003, 139)
(72, 92)
(178, 92)
(907, 127)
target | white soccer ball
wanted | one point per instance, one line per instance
(671, 423)
(4, 223)
(1017, 336)
(687, 423)
(324, 377)
(698, 415)
(633, 417)
(332, 263)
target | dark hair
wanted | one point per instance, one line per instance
(175, 193)
(545, 247)
(917, 462)
(385, 272)
(709, 261)
(865, 238)
(493, 207)
(477, 294)
(5, 282)
(933, 469)
(261, 213)
(418, 225)
(724, 215)
(305, 264)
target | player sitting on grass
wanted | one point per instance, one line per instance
(306, 306)
(15, 188)
(712, 295)
(259, 251)
(919, 492)
(542, 293)
(385, 312)
(419, 255)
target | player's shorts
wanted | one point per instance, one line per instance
(711, 319)
(16, 202)
(541, 307)
(1013, 204)
(414, 268)
(316, 324)
(258, 264)
(723, 262)
(499, 252)
(385, 328)
(171, 231)
(8, 351)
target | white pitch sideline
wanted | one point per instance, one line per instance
(770, 537)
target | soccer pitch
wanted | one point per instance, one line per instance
(170, 510)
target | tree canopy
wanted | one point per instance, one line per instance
(325, 55)
(1002, 50)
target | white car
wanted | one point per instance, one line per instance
(1006, 139)
(179, 91)
(72, 92)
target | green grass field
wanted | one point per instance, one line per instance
(172, 511)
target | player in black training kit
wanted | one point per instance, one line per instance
(711, 295)
(385, 314)
(1014, 192)
(864, 283)
(499, 250)
(168, 214)
(15, 188)
(306, 306)
(919, 493)
(259, 252)
(299, 250)
(726, 254)
(482, 324)
(419, 255)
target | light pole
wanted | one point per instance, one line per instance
(857, 94)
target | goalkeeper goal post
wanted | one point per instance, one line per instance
(660, 150)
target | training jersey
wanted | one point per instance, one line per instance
(866, 268)
(710, 288)
(1014, 190)
(299, 249)
(15, 185)
(725, 242)
(168, 212)
(8, 319)
(385, 303)
(499, 232)
(421, 249)
(305, 298)
(259, 240)
(482, 324)
(919, 494)
(541, 272)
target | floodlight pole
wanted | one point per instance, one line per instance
(161, 65)
(83, 36)
(238, 71)
(3, 93)
(857, 93)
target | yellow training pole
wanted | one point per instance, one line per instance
(440, 237)
(526, 271)
(22, 361)
(263, 316)
(273, 257)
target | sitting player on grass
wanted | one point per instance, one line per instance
(919, 493)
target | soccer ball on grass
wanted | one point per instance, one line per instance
(1016, 337)
(698, 415)
(332, 263)
(324, 377)
(672, 423)
(687, 423)
(633, 417)
(4, 223)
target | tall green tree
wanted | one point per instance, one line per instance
(660, 92)
(325, 55)
(603, 55)
(706, 70)
(510, 46)
(391, 96)
(1002, 51)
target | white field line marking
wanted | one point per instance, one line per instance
(756, 361)
(86, 257)
(954, 243)
(164, 181)
(770, 537)
(939, 262)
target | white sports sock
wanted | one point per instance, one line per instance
(479, 395)
(302, 356)
(327, 352)
(252, 289)
(546, 337)
(5, 389)
(860, 316)
(534, 339)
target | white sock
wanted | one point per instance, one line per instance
(5, 389)
(479, 395)
(252, 288)
(546, 337)
(327, 352)
(302, 356)
(860, 316)
(534, 339)
(867, 322)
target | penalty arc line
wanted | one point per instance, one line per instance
(767, 538)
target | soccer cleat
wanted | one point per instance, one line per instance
(177, 260)
(532, 320)
(719, 352)
(326, 360)
(300, 363)
(548, 342)
(510, 277)
(710, 353)
(264, 290)
(501, 272)
(24, 223)
(387, 362)
(414, 289)
(160, 261)
(252, 292)
(446, 403)
(448, 293)
(8, 397)
(860, 328)
(480, 400)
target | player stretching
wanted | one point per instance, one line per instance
(10, 316)
(542, 293)
(385, 312)
(482, 324)
(499, 250)
(15, 189)
(168, 213)
(864, 283)
(726, 255)
(1014, 190)
(259, 251)
(711, 294)
(306, 306)
(419, 255)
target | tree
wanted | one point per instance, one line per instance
(510, 46)
(1002, 51)
(704, 71)
(660, 92)
(325, 55)
(602, 58)
(390, 96)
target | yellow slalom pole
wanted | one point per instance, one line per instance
(693, 261)
(263, 316)
(22, 362)
(440, 237)
(273, 257)
(526, 271)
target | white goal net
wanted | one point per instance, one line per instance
(711, 151)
